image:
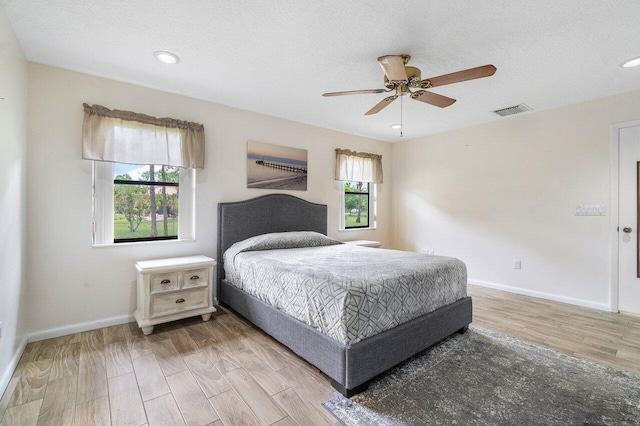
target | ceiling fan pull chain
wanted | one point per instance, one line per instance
(401, 123)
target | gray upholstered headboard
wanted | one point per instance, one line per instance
(269, 213)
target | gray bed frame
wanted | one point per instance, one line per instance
(350, 367)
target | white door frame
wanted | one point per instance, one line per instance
(614, 210)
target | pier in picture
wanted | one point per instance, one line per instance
(276, 167)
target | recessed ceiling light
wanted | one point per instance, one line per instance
(396, 126)
(633, 62)
(166, 57)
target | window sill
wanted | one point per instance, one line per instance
(135, 243)
(373, 228)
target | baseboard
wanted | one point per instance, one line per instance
(542, 295)
(6, 376)
(77, 328)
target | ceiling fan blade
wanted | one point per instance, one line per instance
(355, 92)
(380, 105)
(432, 98)
(393, 67)
(457, 77)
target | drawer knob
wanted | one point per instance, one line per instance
(179, 300)
(165, 281)
(195, 277)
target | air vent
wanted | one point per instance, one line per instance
(517, 109)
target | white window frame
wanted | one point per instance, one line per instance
(373, 208)
(103, 206)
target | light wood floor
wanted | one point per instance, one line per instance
(226, 372)
(605, 337)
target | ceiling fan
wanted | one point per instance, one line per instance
(400, 78)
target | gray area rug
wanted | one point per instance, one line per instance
(487, 378)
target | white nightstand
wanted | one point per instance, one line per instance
(172, 289)
(364, 243)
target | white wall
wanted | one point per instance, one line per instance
(13, 157)
(488, 195)
(507, 190)
(73, 283)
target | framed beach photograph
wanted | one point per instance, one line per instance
(276, 167)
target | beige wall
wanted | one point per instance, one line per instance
(13, 157)
(73, 283)
(494, 193)
(488, 195)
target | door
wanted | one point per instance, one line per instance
(628, 249)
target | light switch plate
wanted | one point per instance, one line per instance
(591, 210)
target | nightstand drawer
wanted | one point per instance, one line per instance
(195, 278)
(164, 282)
(164, 304)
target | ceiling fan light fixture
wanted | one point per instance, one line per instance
(633, 62)
(396, 126)
(166, 57)
(399, 78)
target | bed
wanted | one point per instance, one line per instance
(350, 361)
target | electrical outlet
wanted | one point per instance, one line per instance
(517, 264)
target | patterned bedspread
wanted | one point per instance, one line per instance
(346, 292)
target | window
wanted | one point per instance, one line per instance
(358, 200)
(134, 203)
(145, 203)
(134, 198)
(359, 172)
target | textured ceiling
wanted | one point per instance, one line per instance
(278, 57)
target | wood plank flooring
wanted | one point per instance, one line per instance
(227, 372)
(220, 372)
(604, 337)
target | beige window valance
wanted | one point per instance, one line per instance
(132, 138)
(358, 166)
